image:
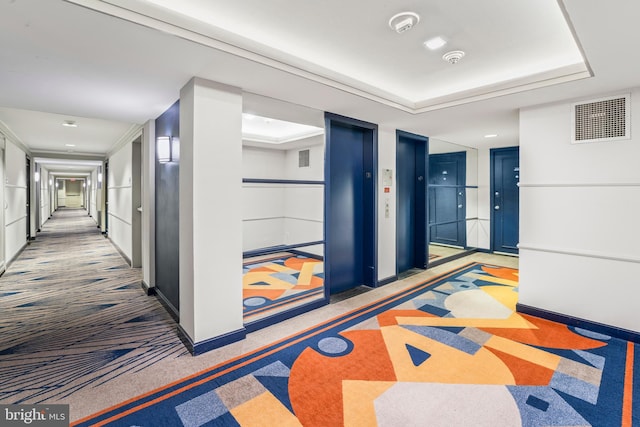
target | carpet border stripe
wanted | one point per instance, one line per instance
(186, 383)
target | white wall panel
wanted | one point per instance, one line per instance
(579, 209)
(589, 219)
(315, 170)
(386, 226)
(599, 290)
(262, 233)
(120, 199)
(263, 163)
(15, 200)
(120, 234)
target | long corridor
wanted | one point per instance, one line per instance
(73, 315)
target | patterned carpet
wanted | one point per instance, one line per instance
(448, 352)
(73, 315)
(278, 283)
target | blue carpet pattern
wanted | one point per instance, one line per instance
(73, 315)
(447, 352)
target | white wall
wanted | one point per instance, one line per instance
(386, 226)
(579, 210)
(45, 205)
(93, 196)
(148, 204)
(277, 214)
(483, 225)
(15, 200)
(210, 210)
(120, 196)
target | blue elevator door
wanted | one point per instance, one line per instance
(351, 214)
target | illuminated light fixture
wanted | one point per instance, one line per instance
(50, 182)
(36, 176)
(435, 43)
(491, 135)
(84, 184)
(70, 124)
(88, 181)
(99, 176)
(168, 149)
(403, 21)
(56, 184)
(70, 145)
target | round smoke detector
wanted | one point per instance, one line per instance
(403, 21)
(453, 57)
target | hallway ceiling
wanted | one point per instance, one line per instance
(113, 64)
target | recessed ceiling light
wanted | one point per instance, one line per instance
(435, 43)
(403, 21)
(70, 124)
(70, 145)
(491, 135)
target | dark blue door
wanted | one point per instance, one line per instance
(447, 178)
(411, 234)
(505, 174)
(350, 227)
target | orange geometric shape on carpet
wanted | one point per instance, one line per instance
(266, 293)
(546, 334)
(315, 282)
(502, 272)
(296, 263)
(315, 382)
(263, 268)
(389, 317)
(525, 372)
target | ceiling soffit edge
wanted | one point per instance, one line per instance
(157, 18)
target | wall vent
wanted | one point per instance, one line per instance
(303, 158)
(606, 119)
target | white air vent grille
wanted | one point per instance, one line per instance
(601, 120)
(303, 158)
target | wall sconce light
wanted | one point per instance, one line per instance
(99, 176)
(56, 184)
(168, 149)
(36, 176)
(84, 185)
(88, 181)
(50, 182)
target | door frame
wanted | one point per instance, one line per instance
(422, 211)
(492, 155)
(370, 159)
(29, 206)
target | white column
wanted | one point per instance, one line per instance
(210, 214)
(148, 204)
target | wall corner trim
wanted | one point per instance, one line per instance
(212, 343)
(148, 290)
(601, 328)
